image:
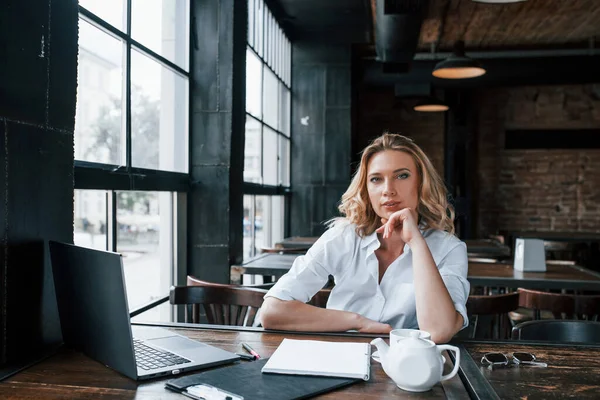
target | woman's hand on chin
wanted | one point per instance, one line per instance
(403, 223)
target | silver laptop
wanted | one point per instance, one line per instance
(94, 317)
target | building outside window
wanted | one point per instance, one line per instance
(267, 139)
(131, 138)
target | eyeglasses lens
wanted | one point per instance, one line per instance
(524, 357)
(495, 358)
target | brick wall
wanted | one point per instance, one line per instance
(545, 190)
(378, 111)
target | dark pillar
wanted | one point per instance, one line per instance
(38, 81)
(321, 134)
(460, 161)
(215, 208)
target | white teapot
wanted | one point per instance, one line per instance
(414, 363)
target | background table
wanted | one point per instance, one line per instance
(570, 277)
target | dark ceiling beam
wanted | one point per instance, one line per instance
(500, 72)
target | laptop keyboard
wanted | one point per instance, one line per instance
(149, 358)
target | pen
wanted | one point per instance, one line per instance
(246, 357)
(250, 350)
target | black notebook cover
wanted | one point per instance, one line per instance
(247, 380)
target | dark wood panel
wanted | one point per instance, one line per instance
(73, 375)
(572, 372)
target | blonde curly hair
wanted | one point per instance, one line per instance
(434, 210)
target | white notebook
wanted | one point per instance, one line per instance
(314, 357)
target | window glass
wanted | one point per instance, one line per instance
(263, 222)
(270, 98)
(270, 158)
(159, 115)
(144, 238)
(162, 26)
(99, 133)
(111, 11)
(252, 151)
(284, 110)
(284, 161)
(89, 222)
(253, 84)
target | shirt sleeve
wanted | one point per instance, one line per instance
(309, 272)
(453, 270)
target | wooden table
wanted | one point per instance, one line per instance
(572, 372)
(486, 248)
(71, 375)
(570, 277)
(297, 242)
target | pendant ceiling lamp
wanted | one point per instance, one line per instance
(458, 65)
(430, 104)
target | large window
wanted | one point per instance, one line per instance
(267, 143)
(131, 139)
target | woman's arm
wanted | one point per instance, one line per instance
(435, 309)
(436, 312)
(297, 316)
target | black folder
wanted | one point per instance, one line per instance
(247, 380)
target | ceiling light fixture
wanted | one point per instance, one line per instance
(458, 65)
(430, 104)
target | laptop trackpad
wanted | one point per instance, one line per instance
(175, 343)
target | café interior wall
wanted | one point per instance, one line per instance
(378, 110)
(321, 134)
(38, 70)
(537, 189)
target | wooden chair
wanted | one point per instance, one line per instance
(223, 305)
(554, 330)
(320, 298)
(193, 281)
(562, 306)
(488, 315)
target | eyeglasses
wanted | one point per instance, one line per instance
(498, 359)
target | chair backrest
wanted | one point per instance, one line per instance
(558, 330)
(488, 315)
(193, 281)
(320, 298)
(222, 305)
(562, 306)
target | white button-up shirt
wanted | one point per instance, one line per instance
(353, 263)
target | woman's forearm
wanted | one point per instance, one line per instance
(435, 309)
(298, 316)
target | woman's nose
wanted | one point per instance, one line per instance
(389, 189)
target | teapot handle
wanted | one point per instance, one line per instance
(456, 351)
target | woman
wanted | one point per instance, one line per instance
(394, 256)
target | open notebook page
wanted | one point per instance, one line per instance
(314, 357)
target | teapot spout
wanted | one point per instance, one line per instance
(382, 347)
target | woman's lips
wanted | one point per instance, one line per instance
(391, 204)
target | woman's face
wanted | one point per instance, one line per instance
(392, 182)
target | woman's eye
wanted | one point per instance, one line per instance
(403, 176)
(374, 179)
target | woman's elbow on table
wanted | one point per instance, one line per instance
(271, 312)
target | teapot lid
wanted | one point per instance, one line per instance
(414, 340)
